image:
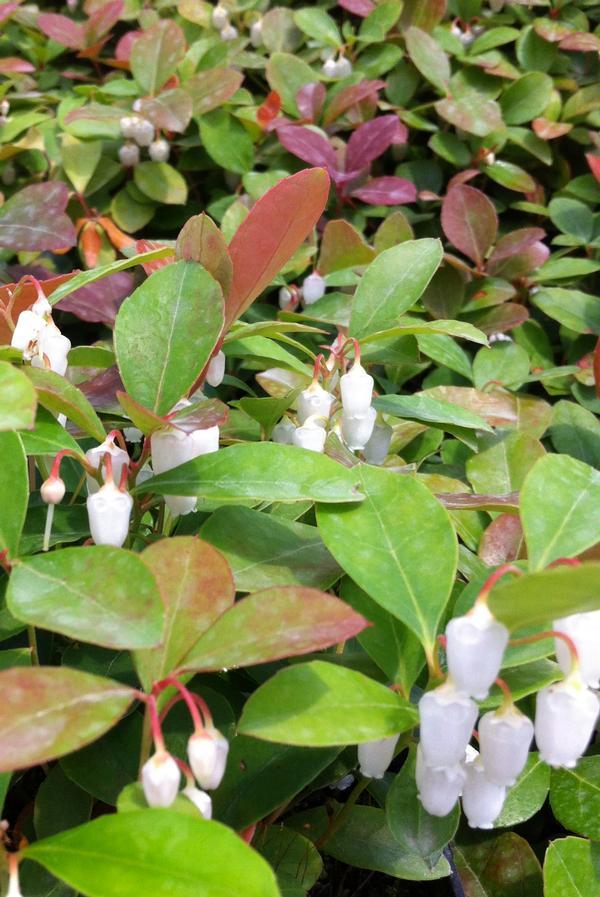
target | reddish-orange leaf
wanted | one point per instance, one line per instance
(90, 244)
(269, 110)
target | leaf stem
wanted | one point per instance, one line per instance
(32, 639)
(344, 813)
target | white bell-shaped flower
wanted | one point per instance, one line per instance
(129, 155)
(128, 125)
(482, 800)
(220, 16)
(329, 68)
(95, 457)
(357, 390)
(27, 332)
(475, 646)
(159, 150)
(378, 446)
(256, 38)
(53, 350)
(200, 799)
(357, 430)
(109, 510)
(14, 887)
(314, 400)
(52, 490)
(283, 432)
(284, 297)
(311, 435)
(343, 67)
(143, 132)
(170, 448)
(207, 753)
(229, 32)
(313, 288)
(374, 757)
(584, 630)
(505, 737)
(439, 789)
(160, 779)
(565, 718)
(447, 717)
(42, 307)
(216, 369)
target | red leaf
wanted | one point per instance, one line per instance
(6, 10)
(519, 265)
(24, 297)
(211, 88)
(386, 191)
(63, 30)
(171, 110)
(123, 48)
(360, 8)
(581, 41)
(308, 145)
(350, 96)
(102, 20)
(269, 110)
(310, 99)
(200, 240)
(372, 140)
(594, 163)
(284, 621)
(550, 130)
(502, 540)
(34, 219)
(13, 64)
(100, 301)
(148, 246)
(469, 221)
(101, 390)
(342, 246)
(516, 242)
(268, 237)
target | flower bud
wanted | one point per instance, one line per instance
(220, 17)
(314, 400)
(475, 646)
(128, 125)
(482, 800)
(378, 446)
(565, 718)
(505, 737)
(95, 457)
(357, 430)
(4, 107)
(52, 351)
(284, 297)
(357, 390)
(129, 155)
(439, 789)
(256, 37)
(310, 436)
(28, 330)
(313, 288)
(584, 630)
(207, 753)
(144, 132)
(229, 32)
(283, 432)
(216, 369)
(160, 779)
(170, 448)
(374, 757)
(137, 106)
(159, 150)
(447, 718)
(109, 511)
(52, 490)
(329, 68)
(343, 67)
(14, 887)
(200, 799)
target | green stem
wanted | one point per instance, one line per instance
(344, 812)
(32, 639)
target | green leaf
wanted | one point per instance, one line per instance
(261, 776)
(160, 182)
(287, 74)
(576, 432)
(319, 25)
(545, 595)
(196, 587)
(376, 25)
(59, 804)
(499, 867)
(320, 704)
(526, 98)
(165, 333)
(568, 523)
(392, 284)
(503, 461)
(390, 562)
(263, 471)
(155, 852)
(14, 493)
(79, 160)
(272, 624)
(59, 396)
(428, 57)
(47, 436)
(576, 310)
(572, 868)
(472, 112)
(18, 401)
(50, 711)
(572, 217)
(511, 176)
(413, 827)
(428, 410)
(226, 141)
(294, 858)
(504, 364)
(575, 797)
(408, 326)
(156, 53)
(528, 795)
(264, 550)
(99, 594)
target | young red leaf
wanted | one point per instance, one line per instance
(271, 233)
(350, 96)
(171, 110)
(469, 221)
(100, 301)
(14, 64)
(34, 219)
(594, 162)
(308, 145)
(124, 45)
(269, 110)
(47, 712)
(310, 99)
(211, 88)
(200, 240)
(516, 242)
(550, 130)
(63, 30)
(7, 9)
(156, 54)
(342, 246)
(372, 139)
(148, 246)
(274, 623)
(103, 19)
(386, 191)
(360, 8)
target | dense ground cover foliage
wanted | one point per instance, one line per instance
(299, 441)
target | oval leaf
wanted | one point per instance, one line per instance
(469, 221)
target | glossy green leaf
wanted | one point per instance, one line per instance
(547, 594)
(156, 54)
(526, 98)
(575, 797)
(155, 851)
(17, 399)
(226, 141)
(165, 333)
(99, 594)
(14, 493)
(389, 561)
(499, 867)
(47, 436)
(568, 524)
(59, 804)
(503, 364)
(574, 309)
(50, 711)
(572, 868)
(60, 397)
(429, 58)
(429, 410)
(320, 704)
(319, 25)
(84, 278)
(575, 431)
(264, 471)
(79, 160)
(295, 860)
(392, 284)
(160, 182)
(503, 461)
(528, 794)
(286, 74)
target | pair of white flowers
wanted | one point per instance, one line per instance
(39, 339)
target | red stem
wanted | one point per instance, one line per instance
(186, 695)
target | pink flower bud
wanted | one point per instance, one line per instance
(313, 288)
(52, 490)
(447, 718)
(374, 757)
(439, 789)
(207, 753)
(482, 800)
(109, 511)
(357, 390)
(475, 646)
(160, 779)
(565, 718)
(200, 799)
(505, 737)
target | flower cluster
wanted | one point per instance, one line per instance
(139, 132)
(38, 337)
